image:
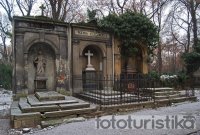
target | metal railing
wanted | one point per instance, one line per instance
(120, 89)
(117, 89)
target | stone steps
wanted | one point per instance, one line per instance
(30, 111)
(33, 101)
(166, 93)
(62, 113)
(160, 89)
(167, 97)
(74, 106)
(40, 109)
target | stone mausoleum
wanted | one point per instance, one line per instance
(49, 55)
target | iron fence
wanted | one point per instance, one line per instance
(121, 89)
(117, 89)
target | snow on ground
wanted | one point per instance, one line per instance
(5, 102)
(88, 127)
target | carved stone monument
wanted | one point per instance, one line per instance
(54, 56)
(89, 75)
(40, 79)
(89, 65)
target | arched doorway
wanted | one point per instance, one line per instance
(41, 63)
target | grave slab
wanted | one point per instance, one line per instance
(33, 101)
(49, 96)
(25, 107)
(74, 106)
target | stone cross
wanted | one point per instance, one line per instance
(89, 54)
(42, 7)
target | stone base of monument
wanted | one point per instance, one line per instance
(34, 109)
(89, 80)
(40, 84)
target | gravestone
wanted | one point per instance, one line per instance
(89, 75)
(89, 65)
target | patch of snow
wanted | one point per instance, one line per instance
(5, 101)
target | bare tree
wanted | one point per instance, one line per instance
(159, 17)
(192, 6)
(180, 20)
(8, 6)
(25, 6)
(5, 29)
(64, 10)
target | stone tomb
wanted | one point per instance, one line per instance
(49, 96)
(52, 56)
(41, 107)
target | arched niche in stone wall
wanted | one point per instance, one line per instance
(49, 56)
(135, 62)
(96, 59)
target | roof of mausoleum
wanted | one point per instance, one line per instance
(40, 19)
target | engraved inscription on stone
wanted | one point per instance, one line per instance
(91, 34)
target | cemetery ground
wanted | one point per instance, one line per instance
(87, 126)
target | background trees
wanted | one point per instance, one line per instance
(177, 22)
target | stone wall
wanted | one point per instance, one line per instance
(31, 36)
(100, 44)
(64, 46)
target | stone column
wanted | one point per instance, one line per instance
(109, 66)
(62, 74)
(76, 68)
(19, 63)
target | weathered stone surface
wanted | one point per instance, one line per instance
(28, 112)
(21, 120)
(31, 36)
(40, 108)
(49, 96)
(17, 124)
(26, 122)
(23, 103)
(74, 106)
(33, 101)
(14, 110)
(63, 113)
(27, 115)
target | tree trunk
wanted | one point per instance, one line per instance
(194, 22)
(159, 58)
